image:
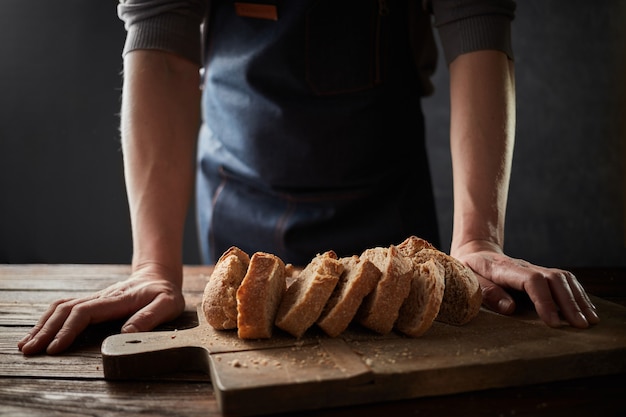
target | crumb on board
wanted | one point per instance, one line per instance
(255, 362)
(236, 363)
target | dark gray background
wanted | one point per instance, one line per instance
(62, 197)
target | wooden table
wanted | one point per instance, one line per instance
(72, 384)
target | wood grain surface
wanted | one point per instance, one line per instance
(73, 383)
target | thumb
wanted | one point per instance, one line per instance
(160, 310)
(495, 297)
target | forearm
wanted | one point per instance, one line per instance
(159, 125)
(481, 139)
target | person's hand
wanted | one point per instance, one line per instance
(147, 297)
(552, 291)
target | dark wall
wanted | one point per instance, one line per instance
(568, 193)
(62, 195)
(60, 167)
(61, 185)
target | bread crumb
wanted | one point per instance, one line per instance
(259, 361)
(235, 363)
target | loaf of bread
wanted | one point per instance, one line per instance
(407, 286)
(413, 244)
(462, 297)
(422, 305)
(307, 295)
(259, 296)
(359, 278)
(219, 302)
(380, 308)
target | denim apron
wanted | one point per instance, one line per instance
(313, 135)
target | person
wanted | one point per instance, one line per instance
(303, 132)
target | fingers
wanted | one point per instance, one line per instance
(46, 329)
(157, 312)
(82, 315)
(538, 289)
(572, 299)
(556, 294)
(554, 291)
(68, 324)
(35, 330)
(587, 307)
(495, 297)
(63, 322)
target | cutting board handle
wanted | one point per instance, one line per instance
(147, 354)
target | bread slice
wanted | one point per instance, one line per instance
(380, 308)
(307, 295)
(422, 305)
(219, 300)
(413, 244)
(259, 296)
(358, 279)
(462, 297)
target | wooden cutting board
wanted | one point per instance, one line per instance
(285, 374)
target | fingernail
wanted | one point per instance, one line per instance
(505, 306)
(129, 328)
(30, 343)
(26, 346)
(583, 319)
(593, 317)
(24, 340)
(51, 349)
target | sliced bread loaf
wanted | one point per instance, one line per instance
(307, 295)
(462, 297)
(219, 300)
(259, 296)
(358, 279)
(422, 305)
(380, 308)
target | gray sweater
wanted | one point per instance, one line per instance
(175, 25)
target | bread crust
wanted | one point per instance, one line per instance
(358, 279)
(421, 307)
(307, 295)
(407, 286)
(462, 297)
(413, 244)
(380, 308)
(219, 300)
(259, 296)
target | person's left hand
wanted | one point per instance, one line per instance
(552, 291)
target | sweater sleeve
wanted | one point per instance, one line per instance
(471, 25)
(167, 25)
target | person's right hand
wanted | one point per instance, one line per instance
(148, 297)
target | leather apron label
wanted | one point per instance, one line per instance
(256, 11)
